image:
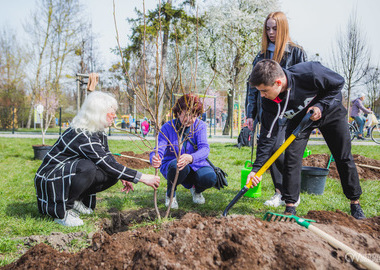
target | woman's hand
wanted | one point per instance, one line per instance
(156, 161)
(128, 186)
(184, 160)
(150, 180)
(255, 180)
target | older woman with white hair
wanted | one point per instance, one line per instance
(80, 164)
(357, 106)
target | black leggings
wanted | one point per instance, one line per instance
(89, 179)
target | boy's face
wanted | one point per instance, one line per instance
(270, 91)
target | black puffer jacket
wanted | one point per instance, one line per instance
(292, 55)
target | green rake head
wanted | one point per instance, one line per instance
(270, 216)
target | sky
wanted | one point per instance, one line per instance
(314, 24)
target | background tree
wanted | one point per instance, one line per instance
(13, 61)
(86, 53)
(351, 56)
(166, 24)
(372, 79)
(55, 29)
(229, 42)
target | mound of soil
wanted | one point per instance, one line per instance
(233, 242)
(134, 161)
(364, 165)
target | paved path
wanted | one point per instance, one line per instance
(213, 139)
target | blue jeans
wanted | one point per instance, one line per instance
(360, 120)
(201, 179)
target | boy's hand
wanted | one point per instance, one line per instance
(317, 113)
(255, 180)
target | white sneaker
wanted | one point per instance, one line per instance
(275, 201)
(82, 209)
(71, 219)
(174, 202)
(197, 197)
(298, 202)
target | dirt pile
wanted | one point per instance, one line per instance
(368, 169)
(196, 242)
(134, 161)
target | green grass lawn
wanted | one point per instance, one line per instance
(19, 216)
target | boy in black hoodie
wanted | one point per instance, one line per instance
(292, 93)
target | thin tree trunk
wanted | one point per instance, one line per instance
(30, 114)
(164, 57)
(161, 89)
(229, 121)
(156, 173)
(173, 188)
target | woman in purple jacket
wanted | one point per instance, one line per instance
(195, 173)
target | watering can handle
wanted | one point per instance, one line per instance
(247, 162)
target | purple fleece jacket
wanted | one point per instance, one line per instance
(197, 134)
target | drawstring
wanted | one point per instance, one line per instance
(274, 121)
(278, 113)
(286, 104)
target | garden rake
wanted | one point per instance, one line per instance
(350, 253)
(301, 126)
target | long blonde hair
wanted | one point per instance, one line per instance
(92, 116)
(282, 35)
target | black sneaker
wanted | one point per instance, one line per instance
(361, 138)
(357, 211)
(290, 210)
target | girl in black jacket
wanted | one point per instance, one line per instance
(277, 45)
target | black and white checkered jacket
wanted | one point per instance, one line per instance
(53, 178)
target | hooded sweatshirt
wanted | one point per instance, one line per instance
(309, 84)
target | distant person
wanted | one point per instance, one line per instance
(291, 93)
(370, 121)
(195, 173)
(357, 106)
(80, 165)
(277, 45)
(145, 127)
(224, 118)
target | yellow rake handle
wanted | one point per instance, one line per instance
(273, 158)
